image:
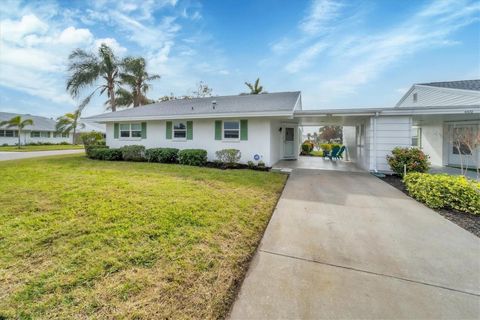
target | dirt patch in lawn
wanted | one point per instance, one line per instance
(467, 221)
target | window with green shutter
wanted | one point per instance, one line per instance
(115, 130)
(168, 132)
(144, 130)
(189, 130)
(243, 129)
(218, 130)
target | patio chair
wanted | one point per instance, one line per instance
(334, 153)
(340, 153)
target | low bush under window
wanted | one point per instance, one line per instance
(409, 159)
(133, 153)
(163, 155)
(229, 156)
(192, 157)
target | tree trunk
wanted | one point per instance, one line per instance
(19, 137)
(74, 132)
(112, 98)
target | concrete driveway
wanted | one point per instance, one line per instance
(347, 245)
(33, 154)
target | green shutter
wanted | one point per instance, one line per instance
(243, 129)
(144, 130)
(189, 130)
(115, 130)
(218, 130)
(168, 133)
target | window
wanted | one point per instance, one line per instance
(60, 135)
(35, 134)
(45, 134)
(130, 130)
(8, 133)
(179, 130)
(415, 97)
(231, 130)
(416, 137)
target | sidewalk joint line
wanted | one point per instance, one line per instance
(370, 272)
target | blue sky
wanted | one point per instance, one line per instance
(338, 53)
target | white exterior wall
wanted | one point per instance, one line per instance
(25, 139)
(258, 142)
(428, 96)
(391, 132)
(349, 141)
(276, 141)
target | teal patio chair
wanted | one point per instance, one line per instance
(334, 153)
(340, 153)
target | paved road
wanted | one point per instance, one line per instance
(32, 154)
(347, 245)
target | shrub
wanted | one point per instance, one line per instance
(444, 191)
(307, 147)
(326, 147)
(106, 154)
(251, 164)
(413, 158)
(90, 148)
(92, 138)
(163, 155)
(261, 164)
(133, 153)
(229, 156)
(192, 157)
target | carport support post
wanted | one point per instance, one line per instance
(375, 142)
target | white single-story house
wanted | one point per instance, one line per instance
(42, 131)
(266, 127)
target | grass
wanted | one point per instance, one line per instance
(40, 147)
(317, 153)
(82, 238)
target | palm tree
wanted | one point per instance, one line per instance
(18, 122)
(86, 68)
(255, 88)
(136, 77)
(69, 122)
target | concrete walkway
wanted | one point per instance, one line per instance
(33, 154)
(347, 245)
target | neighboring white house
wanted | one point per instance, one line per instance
(266, 126)
(42, 131)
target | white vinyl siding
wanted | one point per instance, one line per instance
(439, 97)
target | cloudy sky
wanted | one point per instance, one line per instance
(338, 53)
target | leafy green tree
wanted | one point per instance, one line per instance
(87, 68)
(255, 88)
(69, 122)
(135, 76)
(19, 123)
(330, 133)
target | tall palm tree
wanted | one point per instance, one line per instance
(86, 68)
(19, 123)
(136, 77)
(69, 122)
(256, 88)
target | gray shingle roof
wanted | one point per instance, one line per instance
(39, 123)
(258, 103)
(462, 84)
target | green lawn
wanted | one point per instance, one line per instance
(82, 238)
(41, 148)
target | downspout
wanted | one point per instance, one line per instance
(375, 142)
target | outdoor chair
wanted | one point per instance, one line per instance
(340, 153)
(334, 153)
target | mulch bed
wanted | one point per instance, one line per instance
(224, 166)
(469, 222)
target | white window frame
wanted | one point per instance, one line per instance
(4, 133)
(223, 130)
(130, 131)
(419, 137)
(179, 130)
(45, 134)
(35, 136)
(61, 135)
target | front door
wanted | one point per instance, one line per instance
(458, 151)
(289, 143)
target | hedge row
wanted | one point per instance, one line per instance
(444, 191)
(192, 157)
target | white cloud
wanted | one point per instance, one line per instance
(15, 31)
(320, 14)
(73, 36)
(112, 43)
(304, 59)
